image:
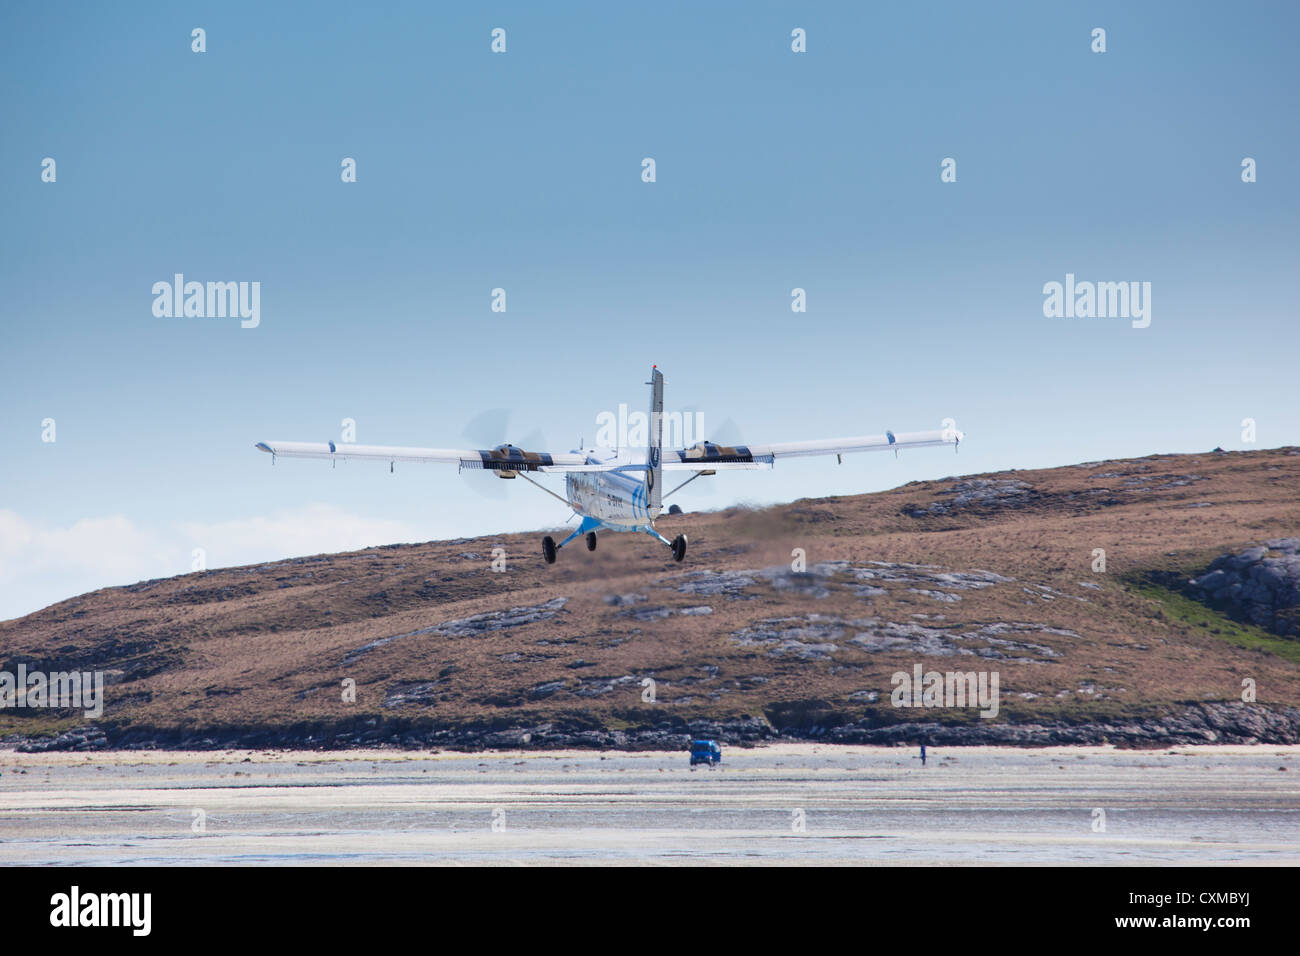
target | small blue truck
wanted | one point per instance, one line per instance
(705, 751)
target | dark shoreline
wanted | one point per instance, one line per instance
(1201, 723)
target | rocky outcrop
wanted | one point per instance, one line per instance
(89, 737)
(976, 493)
(1260, 585)
(820, 637)
(1211, 723)
(671, 733)
(821, 579)
(471, 626)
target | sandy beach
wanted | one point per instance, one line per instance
(786, 803)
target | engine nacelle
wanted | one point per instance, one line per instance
(709, 451)
(506, 459)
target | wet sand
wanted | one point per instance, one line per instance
(857, 805)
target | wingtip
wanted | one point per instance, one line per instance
(263, 446)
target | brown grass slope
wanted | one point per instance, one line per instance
(435, 639)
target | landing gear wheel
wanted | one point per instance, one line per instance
(548, 549)
(591, 541)
(679, 547)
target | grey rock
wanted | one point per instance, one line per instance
(716, 584)
(1259, 585)
(820, 637)
(542, 691)
(471, 626)
(977, 493)
(944, 596)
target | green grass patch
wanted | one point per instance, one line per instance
(1180, 609)
(39, 725)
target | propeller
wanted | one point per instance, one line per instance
(728, 432)
(488, 429)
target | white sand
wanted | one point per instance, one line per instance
(1185, 805)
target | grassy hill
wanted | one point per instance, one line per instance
(993, 572)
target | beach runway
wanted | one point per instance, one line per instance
(778, 804)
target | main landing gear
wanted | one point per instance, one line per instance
(550, 549)
(678, 544)
(588, 527)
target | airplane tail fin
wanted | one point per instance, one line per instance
(653, 491)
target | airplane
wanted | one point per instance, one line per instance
(616, 490)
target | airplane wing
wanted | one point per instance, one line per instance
(707, 456)
(703, 456)
(667, 466)
(501, 458)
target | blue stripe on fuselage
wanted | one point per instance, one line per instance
(628, 487)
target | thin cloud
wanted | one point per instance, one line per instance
(42, 565)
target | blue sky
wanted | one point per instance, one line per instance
(522, 171)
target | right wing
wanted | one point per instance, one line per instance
(707, 455)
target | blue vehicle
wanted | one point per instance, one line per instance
(705, 751)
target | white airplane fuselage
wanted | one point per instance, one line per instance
(616, 499)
